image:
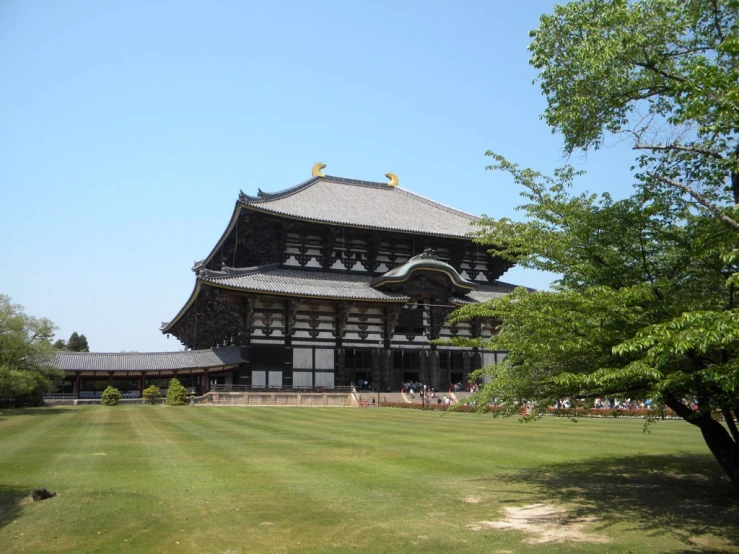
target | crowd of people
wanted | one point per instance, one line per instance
(616, 404)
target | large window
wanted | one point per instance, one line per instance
(313, 358)
(313, 367)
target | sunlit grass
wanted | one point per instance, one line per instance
(208, 479)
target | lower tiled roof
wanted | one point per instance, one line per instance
(483, 293)
(147, 361)
(271, 279)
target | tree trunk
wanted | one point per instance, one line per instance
(723, 448)
(717, 438)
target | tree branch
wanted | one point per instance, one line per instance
(731, 424)
(698, 197)
(652, 67)
(681, 409)
(680, 148)
(717, 21)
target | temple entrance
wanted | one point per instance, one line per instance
(363, 379)
(411, 377)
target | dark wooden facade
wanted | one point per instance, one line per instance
(317, 295)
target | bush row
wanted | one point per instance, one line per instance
(176, 394)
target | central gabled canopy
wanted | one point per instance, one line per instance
(428, 267)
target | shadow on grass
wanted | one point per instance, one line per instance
(685, 496)
(10, 503)
(37, 410)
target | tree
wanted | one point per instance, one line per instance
(176, 393)
(646, 303)
(642, 309)
(25, 365)
(77, 343)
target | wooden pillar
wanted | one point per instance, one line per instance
(387, 371)
(77, 383)
(343, 379)
(423, 370)
(376, 369)
(142, 384)
(205, 382)
(111, 382)
(434, 377)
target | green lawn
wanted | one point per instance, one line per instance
(216, 479)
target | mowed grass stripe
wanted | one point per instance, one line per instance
(268, 482)
(21, 429)
(263, 479)
(328, 487)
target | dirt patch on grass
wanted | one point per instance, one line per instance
(714, 544)
(545, 523)
(472, 500)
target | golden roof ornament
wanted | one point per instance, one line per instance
(316, 172)
(393, 179)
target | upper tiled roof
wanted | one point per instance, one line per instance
(147, 361)
(317, 284)
(364, 204)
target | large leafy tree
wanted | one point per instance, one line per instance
(25, 344)
(646, 303)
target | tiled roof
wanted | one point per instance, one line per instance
(483, 293)
(364, 204)
(147, 361)
(317, 284)
(271, 279)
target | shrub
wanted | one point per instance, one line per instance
(152, 394)
(111, 396)
(176, 393)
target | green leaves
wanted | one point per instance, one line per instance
(642, 296)
(25, 346)
(176, 393)
(662, 73)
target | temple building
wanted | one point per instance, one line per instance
(337, 281)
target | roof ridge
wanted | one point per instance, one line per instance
(357, 182)
(267, 196)
(68, 353)
(286, 193)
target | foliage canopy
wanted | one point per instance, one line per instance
(176, 393)
(645, 306)
(111, 396)
(25, 365)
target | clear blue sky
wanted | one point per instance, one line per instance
(128, 128)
